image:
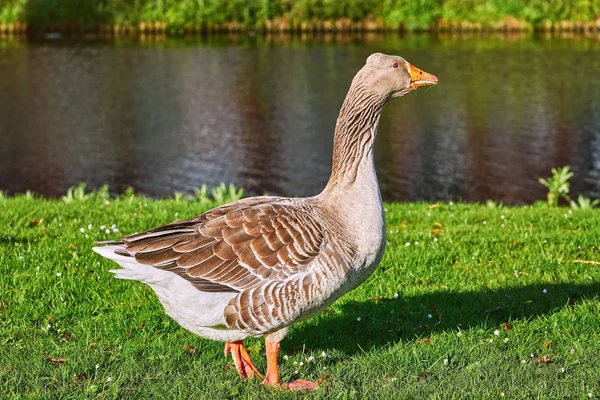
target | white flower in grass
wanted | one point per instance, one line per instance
(396, 295)
(97, 366)
(416, 243)
(407, 244)
(103, 227)
(301, 363)
(445, 361)
(502, 225)
(435, 239)
(451, 203)
(562, 370)
(590, 395)
(429, 316)
(544, 291)
(109, 379)
(90, 226)
(58, 274)
(106, 202)
(285, 357)
(323, 354)
(107, 231)
(491, 340)
(37, 268)
(310, 360)
(506, 340)
(358, 319)
(523, 361)
(20, 257)
(532, 355)
(496, 332)
(81, 230)
(484, 222)
(502, 217)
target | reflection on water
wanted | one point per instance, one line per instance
(165, 115)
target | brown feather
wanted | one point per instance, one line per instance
(194, 244)
(224, 251)
(207, 266)
(195, 257)
(236, 236)
(157, 257)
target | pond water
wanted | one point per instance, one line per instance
(165, 115)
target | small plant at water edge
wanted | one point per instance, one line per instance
(558, 185)
(75, 193)
(584, 202)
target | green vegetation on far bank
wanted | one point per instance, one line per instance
(470, 301)
(298, 15)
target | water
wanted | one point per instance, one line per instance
(166, 115)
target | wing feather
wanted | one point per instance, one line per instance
(240, 246)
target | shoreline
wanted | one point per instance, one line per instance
(284, 25)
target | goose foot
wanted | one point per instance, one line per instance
(272, 378)
(241, 359)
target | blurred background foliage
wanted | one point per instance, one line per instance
(257, 14)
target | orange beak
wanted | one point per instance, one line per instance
(420, 78)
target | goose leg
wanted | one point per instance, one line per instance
(272, 378)
(241, 359)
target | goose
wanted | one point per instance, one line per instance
(255, 266)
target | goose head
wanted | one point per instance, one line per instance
(392, 76)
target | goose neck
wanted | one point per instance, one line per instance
(355, 133)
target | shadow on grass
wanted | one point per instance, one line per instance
(385, 321)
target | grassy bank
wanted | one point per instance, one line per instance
(469, 301)
(297, 15)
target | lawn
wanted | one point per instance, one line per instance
(469, 302)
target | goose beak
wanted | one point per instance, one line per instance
(420, 78)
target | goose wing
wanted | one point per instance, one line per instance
(235, 247)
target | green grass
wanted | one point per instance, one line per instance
(530, 273)
(180, 14)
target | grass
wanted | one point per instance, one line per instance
(254, 14)
(505, 302)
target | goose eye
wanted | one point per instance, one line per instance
(395, 65)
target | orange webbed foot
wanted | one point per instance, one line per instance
(272, 378)
(241, 359)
